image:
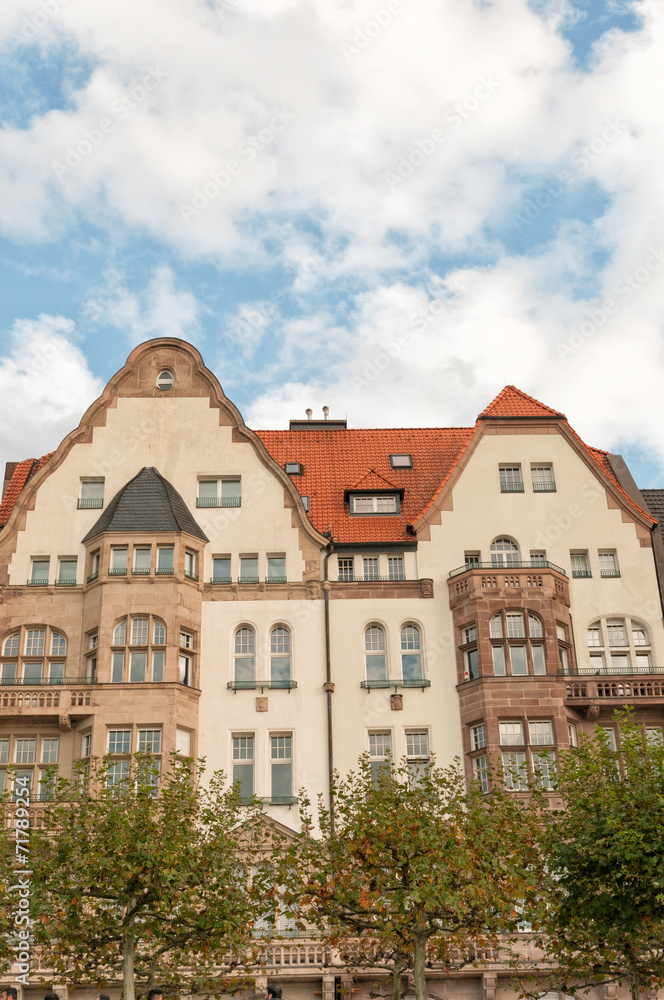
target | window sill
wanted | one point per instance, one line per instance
(254, 685)
(384, 684)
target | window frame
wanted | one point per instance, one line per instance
(375, 498)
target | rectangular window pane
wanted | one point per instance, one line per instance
(221, 568)
(280, 668)
(118, 774)
(595, 637)
(498, 654)
(496, 627)
(571, 735)
(119, 558)
(417, 745)
(617, 634)
(478, 737)
(654, 735)
(511, 734)
(514, 770)
(92, 490)
(539, 663)
(376, 667)
(165, 558)
(184, 665)
(542, 476)
(579, 562)
(469, 634)
(346, 569)
(510, 478)
(395, 569)
(8, 673)
(4, 751)
(50, 751)
(25, 751)
(157, 667)
(117, 668)
(183, 742)
(541, 733)
(518, 660)
(620, 661)
(139, 632)
(119, 740)
(607, 562)
(33, 671)
(611, 736)
(67, 571)
(370, 567)
(282, 781)
(544, 769)
(137, 668)
(472, 664)
(40, 570)
(514, 625)
(245, 668)
(149, 741)
(276, 567)
(34, 642)
(386, 505)
(230, 489)
(411, 666)
(142, 558)
(380, 745)
(481, 772)
(208, 489)
(249, 567)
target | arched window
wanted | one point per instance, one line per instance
(120, 633)
(618, 645)
(375, 657)
(504, 551)
(411, 654)
(11, 644)
(517, 643)
(245, 655)
(137, 665)
(35, 654)
(159, 633)
(280, 655)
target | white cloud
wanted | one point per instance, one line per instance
(45, 387)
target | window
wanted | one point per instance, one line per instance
(539, 660)
(221, 569)
(243, 765)
(510, 479)
(4, 751)
(417, 753)
(183, 742)
(380, 504)
(117, 668)
(496, 627)
(276, 569)
(478, 736)
(58, 644)
(541, 733)
(186, 640)
(39, 571)
(518, 660)
(86, 745)
(514, 771)
(159, 633)
(67, 572)
(157, 667)
(219, 493)
(514, 622)
(512, 625)
(411, 654)
(293, 468)
(281, 767)
(305, 503)
(616, 632)
(92, 494)
(118, 774)
(190, 565)
(608, 565)
(119, 740)
(472, 664)
(11, 645)
(47, 781)
(537, 557)
(655, 736)
(572, 735)
(245, 655)
(504, 551)
(511, 734)
(543, 481)
(629, 647)
(149, 741)
(639, 636)
(370, 568)
(165, 559)
(481, 772)
(346, 570)
(280, 655)
(93, 639)
(535, 627)
(469, 634)
(544, 768)
(472, 558)
(401, 461)
(139, 631)
(184, 670)
(34, 641)
(395, 568)
(118, 561)
(610, 736)
(374, 653)
(142, 560)
(595, 636)
(165, 380)
(25, 752)
(138, 660)
(580, 565)
(249, 569)
(137, 667)
(380, 751)
(50, 751)
(94, 566)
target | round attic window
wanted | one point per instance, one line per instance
(165, 379)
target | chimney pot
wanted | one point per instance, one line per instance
(326, 411)
(309, 414)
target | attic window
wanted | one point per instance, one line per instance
(165, 379)
(378, 504)
(293, 468)
(305, 501)
(401, 461)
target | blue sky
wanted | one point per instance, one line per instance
(391, 208)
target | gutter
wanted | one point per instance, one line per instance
(328, 686)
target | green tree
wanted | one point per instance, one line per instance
(132, 885)
(416, 868)
(602, 913)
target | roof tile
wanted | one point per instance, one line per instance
(512, 402)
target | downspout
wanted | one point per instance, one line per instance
(654, 541)
(328, 687)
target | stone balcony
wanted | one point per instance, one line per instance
(604, 691)
(67, 696)
(479, 581)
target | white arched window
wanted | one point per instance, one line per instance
(137, 666)
(33, 654)
(245, 655)
(159, 633)
(375, 658)
(280, 655)
(120, 633)
(619, 646)
(504, 551)
(11, 644)
(411, 654)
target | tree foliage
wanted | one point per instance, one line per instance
(416, 869)
(136, 887)
(602, 912)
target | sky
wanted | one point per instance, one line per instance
(390, 207)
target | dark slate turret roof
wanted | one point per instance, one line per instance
(655, 501)
(147, 503)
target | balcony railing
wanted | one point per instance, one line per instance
(40, 582)
(370, 578)
(191, 576)
(141, 571)
(90, 503)
(422, 682)
(580, 573)
(511, 487)
(117, 572)
(93, 576)
(36, 681)
(249, 579)
(279, 800)
(612, 671)
(507, 567)
(544, 487)
(609, 572)
(218, 501)
(164, 571)
(254, 685)
(65, 583)
(221, 579)
(275, 579)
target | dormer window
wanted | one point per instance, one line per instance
(387, 503)
(293, 468)
(401, 461)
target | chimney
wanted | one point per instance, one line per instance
(309, 414)
(326, 411)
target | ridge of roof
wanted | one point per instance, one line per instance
(148, 502)
(373, 480)
(512, 402)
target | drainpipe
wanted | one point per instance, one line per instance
(328, 687)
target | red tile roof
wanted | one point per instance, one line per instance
(23, 471)
(512, 402)
(337, 460)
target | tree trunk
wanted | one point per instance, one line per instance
(634, 983)
(397, 971)
(128, 944)
(418, 967)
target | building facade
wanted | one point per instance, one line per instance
(280, 602)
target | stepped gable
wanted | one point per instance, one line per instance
(335, 462)
(512, 403)
(22, 473)
(147, 503)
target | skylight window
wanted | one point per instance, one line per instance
(293, 468)
(401, 461)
